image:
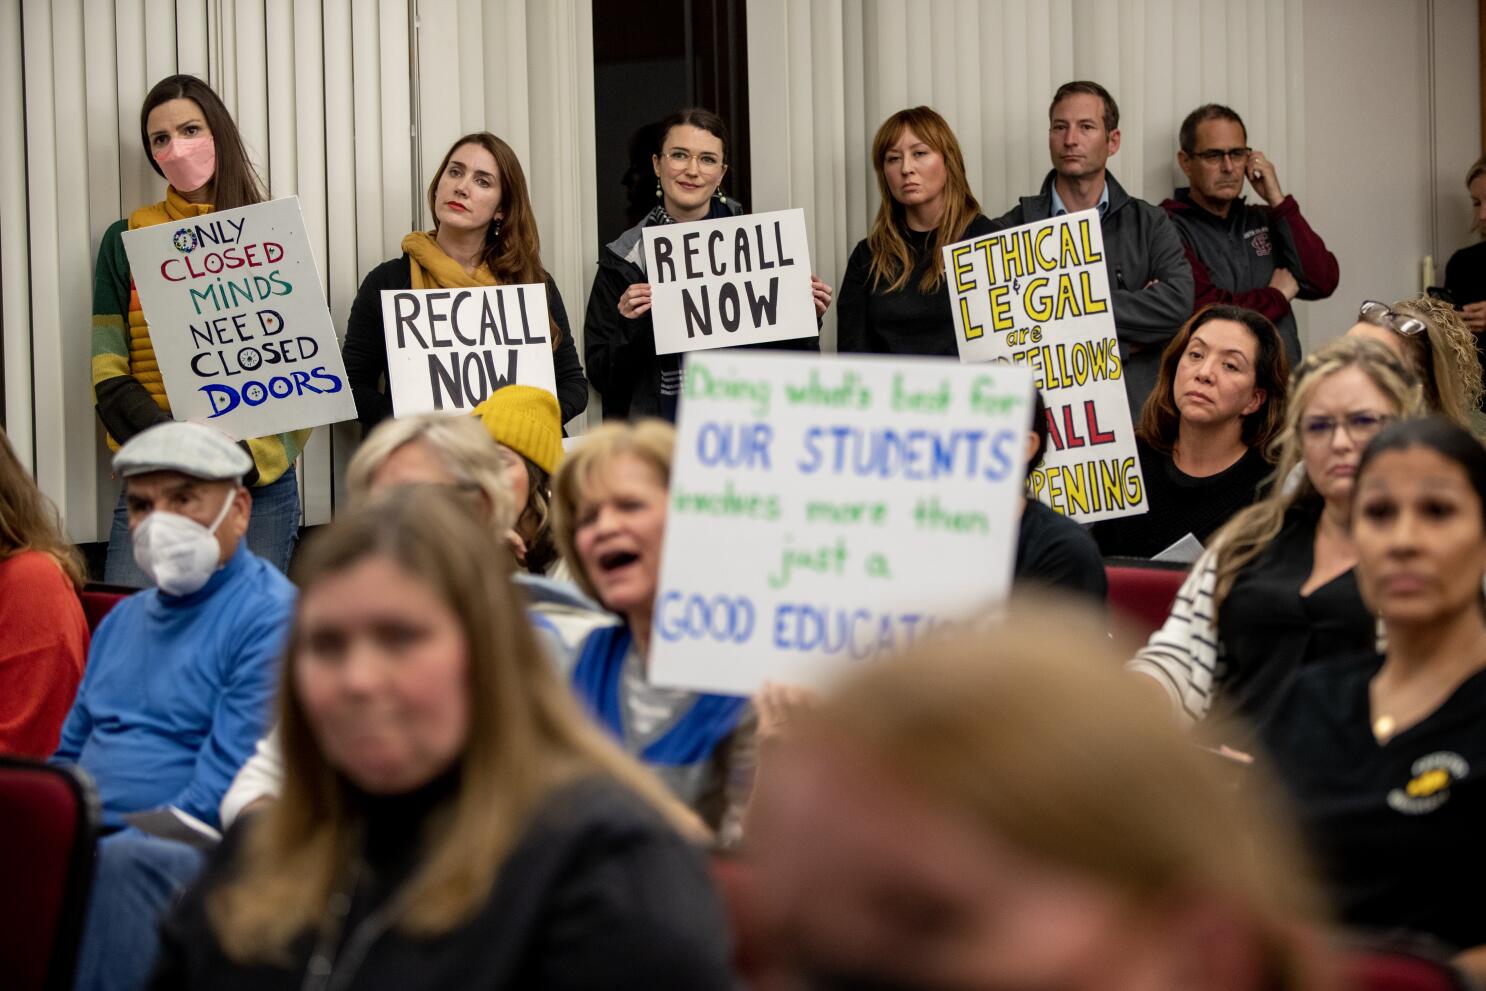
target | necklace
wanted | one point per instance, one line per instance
(1386, 724)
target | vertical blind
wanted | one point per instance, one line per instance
(823, 75)
(348, 105)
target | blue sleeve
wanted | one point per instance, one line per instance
(79, 723)
(241, 715)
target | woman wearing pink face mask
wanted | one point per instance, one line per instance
(192, 143)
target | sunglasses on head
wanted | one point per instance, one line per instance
(1380, 315)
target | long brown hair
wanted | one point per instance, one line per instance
(892, 261)
(29, 521)
(234, 183)
(1030, 731)
(1444, 357)
(1160, 420)
(1252, 529)
(527, 737)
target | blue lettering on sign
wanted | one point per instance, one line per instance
(735, 445)
(724, 619)
(918, 455)
(856, 633)
(226, 398)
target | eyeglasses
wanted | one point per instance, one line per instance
(706, 161)
(1213, 156)
(1380, 315)
(1361, 427)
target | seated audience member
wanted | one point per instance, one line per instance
(1051, 549)
(449, 818)
(1259, 257)
(1465, 273)
(180, 676)
(1275, 589)
(1205, 436)
(43, 632)
(611, 498)
(1005, 810)
(1384, 756)
(1438, 347)
(523, 422)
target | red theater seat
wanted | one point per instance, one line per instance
(1143, 593)
(48, 827)
(1386, 970)
(98, 599)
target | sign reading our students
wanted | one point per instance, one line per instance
(824, 510)
(238, 320)
(449, 349)
(1038, 295)
(717, 283)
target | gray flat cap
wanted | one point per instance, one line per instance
(189, 448)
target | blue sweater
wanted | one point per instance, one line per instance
(178, 689)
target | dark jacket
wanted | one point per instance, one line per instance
(597, 893)
(1140, 244)
(872, 320)
(1234, 257)
(620, 353)
(365, 347)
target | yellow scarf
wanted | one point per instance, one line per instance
(175, 207)
(432, 269)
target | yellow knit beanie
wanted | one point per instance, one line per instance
(528, 421)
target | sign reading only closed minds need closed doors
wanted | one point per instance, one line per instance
(238, 320)
(824, 510)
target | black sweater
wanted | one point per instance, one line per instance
(874, 321)
(597, 893)
(365, 347)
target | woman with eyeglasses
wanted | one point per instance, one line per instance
(1206, 433)
(1275, 590)
(893, 296)
(484, 234)
(690, 162)
(1384, 756)
(1432, 337)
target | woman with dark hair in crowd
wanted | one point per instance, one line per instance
(1004, 809)
(43, 632)
(690, 161)
(1384, 756)
(192, 143)
(610, 502)
(1433, 338)
(448, 818)
(1206, 434)
(1275, 589)
(893, 296)
(484, 234)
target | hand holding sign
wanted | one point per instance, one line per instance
(718, 283)
(238, 320)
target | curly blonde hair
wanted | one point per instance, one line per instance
(1444, 357)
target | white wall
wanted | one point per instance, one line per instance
(1385, 183)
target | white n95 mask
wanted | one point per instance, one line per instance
(179, 554)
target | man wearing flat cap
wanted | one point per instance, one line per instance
(180, 677)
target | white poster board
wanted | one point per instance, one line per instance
(1038, 295)
(449, 349)
(718, 283)
(826, 509)
(238, 320)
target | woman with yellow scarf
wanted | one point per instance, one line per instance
(192, 143)
(484, 234)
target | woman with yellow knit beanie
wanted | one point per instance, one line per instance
(484, 234)
(523, 422)
(192, 143)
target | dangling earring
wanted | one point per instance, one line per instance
(495, 224)
(658, 193)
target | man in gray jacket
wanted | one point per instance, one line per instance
(1149, 277)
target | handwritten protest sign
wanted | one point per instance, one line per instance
(449, 349)
(717, 283)
(238, 320)
(823, 510)
(1038, 295)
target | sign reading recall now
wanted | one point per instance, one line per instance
(238, 320)
(1038, 295)
(824, 510)
(717, 283)
(449, 349)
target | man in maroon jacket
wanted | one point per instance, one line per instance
(1259, 257)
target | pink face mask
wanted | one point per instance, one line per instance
(188, 163)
